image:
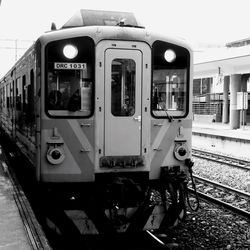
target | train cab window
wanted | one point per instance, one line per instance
(123, 87)
(170, 80)
(69, 82)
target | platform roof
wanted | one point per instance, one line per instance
(228, 61)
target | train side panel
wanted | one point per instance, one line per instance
(18, 95)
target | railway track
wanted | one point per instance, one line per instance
(142, 241)
(231, 161)
(146, 240)
(235, 200)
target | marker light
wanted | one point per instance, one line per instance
(70, 51)
(181, 152)
(55, 155)
(169, 55)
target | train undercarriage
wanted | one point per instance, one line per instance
(120, 204)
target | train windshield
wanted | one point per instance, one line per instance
(170, 80)
(69, 87)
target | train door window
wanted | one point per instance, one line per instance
(69, 83)
(123, 87)
(170, 80)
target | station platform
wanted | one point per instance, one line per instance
(12, 231)
(19, 228)
(220, 129)
(220, 138)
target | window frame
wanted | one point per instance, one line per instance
(70, 40)
(131, 61)
(178, 49)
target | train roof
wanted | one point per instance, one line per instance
(113, 25)
(124, 33)
(103, 25)
(101, 18)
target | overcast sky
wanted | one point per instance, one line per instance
(197, 21)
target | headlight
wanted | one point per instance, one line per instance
(55, 155)
(169, 55)
(70, 51)
(181, 152)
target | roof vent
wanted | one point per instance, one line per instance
(101, 18)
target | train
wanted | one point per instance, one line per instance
(103, 106)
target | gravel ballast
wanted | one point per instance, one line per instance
(213, 227)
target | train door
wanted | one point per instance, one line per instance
(122, 122)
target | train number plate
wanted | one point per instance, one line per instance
(71, 66)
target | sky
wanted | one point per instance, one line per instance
(199, 22)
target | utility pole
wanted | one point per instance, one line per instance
(16, 50)
(10, 46)
(11, 50)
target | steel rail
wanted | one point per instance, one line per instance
(222, 203)
(242, 164)
(217, 184)
(157, 240)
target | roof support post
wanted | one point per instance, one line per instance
(225, 113)
(244, 80)
(235, 86)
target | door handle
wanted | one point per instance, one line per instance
(138, 118)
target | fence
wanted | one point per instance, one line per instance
(209, 104)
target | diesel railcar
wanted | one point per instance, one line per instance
(107, 105)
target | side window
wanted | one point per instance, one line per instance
(30, 95)
(8, 95)
(12, 94)
(123, 87)
(1, 98)
(4, 97)
(24, 93)
(18, 94)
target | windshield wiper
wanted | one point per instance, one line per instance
(170, 118)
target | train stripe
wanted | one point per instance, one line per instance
(163, 141)
(73, 141)
(86, 145)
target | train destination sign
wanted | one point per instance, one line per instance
(70, 66)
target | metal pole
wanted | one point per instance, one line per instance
(16, 50)
(243, 119)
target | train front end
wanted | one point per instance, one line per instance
(115, 117)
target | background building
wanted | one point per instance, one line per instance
(219, 74)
